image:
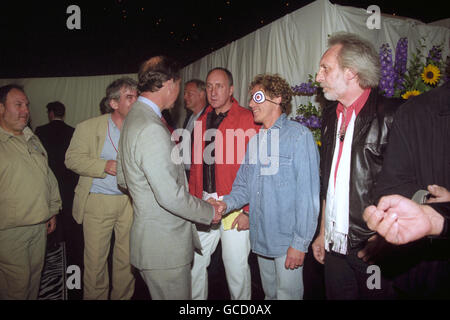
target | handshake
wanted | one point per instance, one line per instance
(220, 208)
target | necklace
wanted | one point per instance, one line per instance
(343, 128)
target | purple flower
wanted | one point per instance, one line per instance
(314, 122)
(401, 59)
(305, 89)
(300, 119)
(387, 79)
(435, 54)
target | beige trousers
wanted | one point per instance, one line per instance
(103, 215)
(22, 255)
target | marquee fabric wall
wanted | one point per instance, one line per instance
(291, 46)
(80, 95)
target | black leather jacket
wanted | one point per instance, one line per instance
(370, 139)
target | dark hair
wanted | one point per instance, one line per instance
(57, 107)
(227, 72)
(6, 89)
(103, 107)
(155, 71)
(113, 91)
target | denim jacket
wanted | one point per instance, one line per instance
(283, 192)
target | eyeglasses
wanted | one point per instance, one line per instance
(259, 97)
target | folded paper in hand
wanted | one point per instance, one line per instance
(228, 220)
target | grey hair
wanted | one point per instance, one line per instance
(113, 91)
(359, 55)
(201, 86)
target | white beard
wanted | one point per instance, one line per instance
(339, 89)
(329, 96)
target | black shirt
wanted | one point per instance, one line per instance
(213, 121)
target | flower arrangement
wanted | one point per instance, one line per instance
(423, 74)
(397, 80)
(307, 114)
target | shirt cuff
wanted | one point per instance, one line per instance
(443, 208)
(230, 203)
(300, 244)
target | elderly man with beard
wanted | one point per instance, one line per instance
(354, 137)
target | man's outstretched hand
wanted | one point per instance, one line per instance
(219, 209)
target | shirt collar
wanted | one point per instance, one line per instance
(28, 133)
(5, 135)
(112, 124)
(280, 121)
(151, 104)
(357, 105)
(196, 116)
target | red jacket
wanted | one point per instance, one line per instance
(237, 118)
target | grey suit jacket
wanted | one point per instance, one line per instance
(163, 234)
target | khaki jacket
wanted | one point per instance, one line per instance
(83, 157)
(29, 191)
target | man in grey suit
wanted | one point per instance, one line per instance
(163, 235)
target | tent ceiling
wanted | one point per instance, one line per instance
(116, 35)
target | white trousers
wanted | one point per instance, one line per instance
(235, 251)
(278, 282)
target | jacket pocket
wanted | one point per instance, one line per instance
(284, 170)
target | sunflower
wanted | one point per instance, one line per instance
(408, 94)
(431, 74)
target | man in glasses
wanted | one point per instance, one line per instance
(284, 198)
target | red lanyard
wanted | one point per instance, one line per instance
(111, 140)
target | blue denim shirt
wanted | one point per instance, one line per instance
(283, 193)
